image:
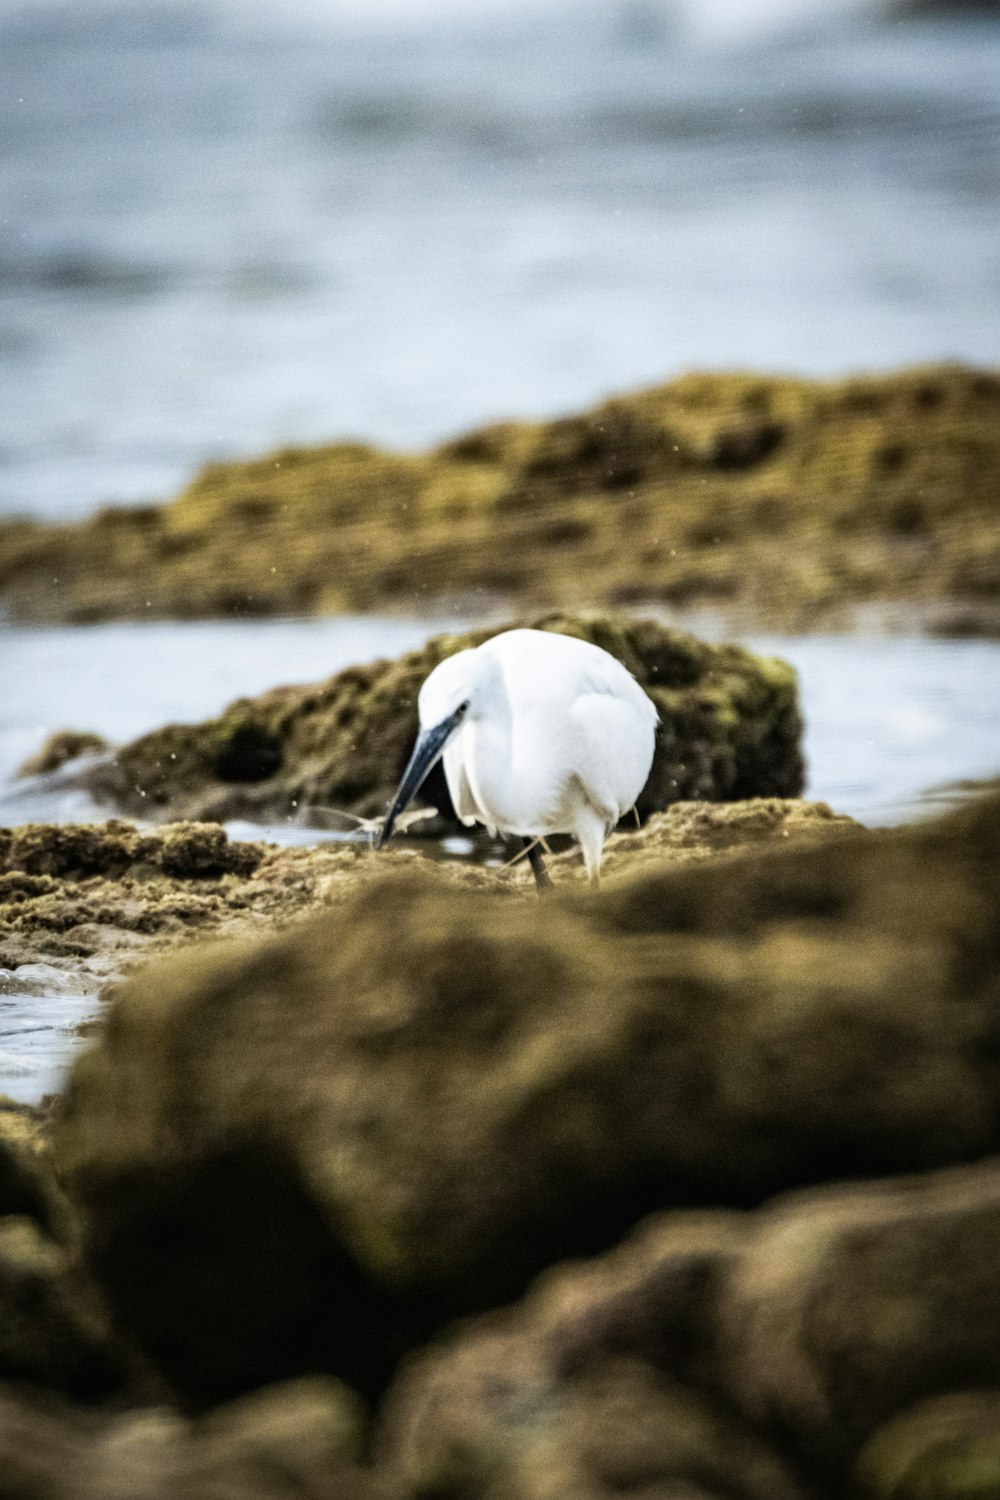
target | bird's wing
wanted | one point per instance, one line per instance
(613, 751)
(463, 796)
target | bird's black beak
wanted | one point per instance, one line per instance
(426, 753)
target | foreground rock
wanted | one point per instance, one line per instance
(98, 900)
(730, 729)
(777, 500)
(49, 1333)
(52, 1330)
(27, 1186)
(301, 1439)
(705, 1342)
(308, 1153)
(947, 1447)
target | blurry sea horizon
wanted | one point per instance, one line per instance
(226, 228)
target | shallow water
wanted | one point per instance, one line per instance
(896, 726)
(221, 236)
(40, 1011)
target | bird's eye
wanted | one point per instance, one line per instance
(464, 707)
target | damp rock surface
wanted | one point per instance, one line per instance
(113, 895)
(313, 1151)
(769, 499)
(806, 1324)
(299, 1439)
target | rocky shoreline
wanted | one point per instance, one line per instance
(101, 899)
(382, 1178)
(705, 1165)
(769, 501)
(731, 728)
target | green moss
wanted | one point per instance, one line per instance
(730, 728)
(60, 748)
(943, 1449)
(245, 751)
(404, 1109)
(778, 500)
(77, 851)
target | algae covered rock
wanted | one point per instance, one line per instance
(730, 728)
(90, 895)
(305, 1154)
(947, 1448)
(78, 851)
(501, 1423)
(104, 909)
(60, 749)
(48, 1334)
(294, 1440)
(810, 1321)
(26, 1183)
(781, 500)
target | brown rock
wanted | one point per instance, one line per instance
(300, 1439)
(59, 749)
(947, 1448)
(760, 498)
(120, 896)
(187, 851)
(730, 728)
(809, 1323)
(307, 1153)
(47, 1333)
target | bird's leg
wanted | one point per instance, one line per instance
(543, 879)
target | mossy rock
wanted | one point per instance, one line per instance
(761, 1351)
(300, 1438)
(59, 749)
(104, 910)
(730, 728)
(308, 1153)
(946, 1448)
(767, 499)
(78, 851)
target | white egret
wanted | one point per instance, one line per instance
(540, 733)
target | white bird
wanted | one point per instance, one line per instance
(540, 733)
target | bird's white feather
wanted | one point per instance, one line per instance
(553, 735)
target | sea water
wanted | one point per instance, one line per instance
(226, 227)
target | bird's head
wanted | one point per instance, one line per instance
(449, 696)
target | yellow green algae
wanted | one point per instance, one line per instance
(408, 1105)
(729, 728)
(780, 500)
(108, 896)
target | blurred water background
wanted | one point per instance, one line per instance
(227, 225)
